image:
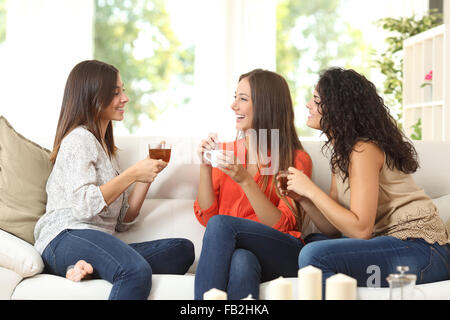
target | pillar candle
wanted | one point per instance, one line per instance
(310, 283)
(340, 287)
(280, 289)
(215, 294)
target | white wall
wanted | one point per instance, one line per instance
(44, 41)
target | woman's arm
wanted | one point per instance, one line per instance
(265, 210)
(143, 173)
(316, 216)
(366, 162)
(206, 195)
(135, 200)
(115, 187)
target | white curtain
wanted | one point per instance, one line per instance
(44, 40)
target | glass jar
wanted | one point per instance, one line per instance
(402, 286)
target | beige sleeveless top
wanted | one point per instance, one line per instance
(404, 210)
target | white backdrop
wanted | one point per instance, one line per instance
(45, 39)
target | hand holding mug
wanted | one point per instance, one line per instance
(228, 162)
(298, 183)
(146, 170)
(207, 145)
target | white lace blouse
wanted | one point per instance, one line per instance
(74, 199)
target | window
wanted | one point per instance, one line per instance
(180, 60)
(315, 35)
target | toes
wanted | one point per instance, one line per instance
(84, 267)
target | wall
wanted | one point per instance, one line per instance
(44, 40)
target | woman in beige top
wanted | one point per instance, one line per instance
(385, 218)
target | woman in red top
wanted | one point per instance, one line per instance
(252, 231)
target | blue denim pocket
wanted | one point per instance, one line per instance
(49, 259)
(438, 268)
(49, 256)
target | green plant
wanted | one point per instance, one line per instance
(2, 20)
(390, 62)
(417, 127)
(313, 36)
(153, 76)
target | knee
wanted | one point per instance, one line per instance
(309, 255)
(186, 253)
(138, 269)
(217, 222)
(244, 261)
(217, 225)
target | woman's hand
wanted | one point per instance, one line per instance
(288, 193)
(299, 184)
(146, 170)
(229, 163)
(206, 145)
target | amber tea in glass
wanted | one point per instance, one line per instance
(160, 151)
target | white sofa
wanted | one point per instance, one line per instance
(168, 212)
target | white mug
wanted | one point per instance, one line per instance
(211, 156)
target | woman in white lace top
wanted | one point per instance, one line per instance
(88, 194)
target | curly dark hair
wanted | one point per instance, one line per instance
(352, 111)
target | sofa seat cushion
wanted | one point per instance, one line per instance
(51, 287)
(175, 287)
(164, 287)
(24, 170)
(166, 218)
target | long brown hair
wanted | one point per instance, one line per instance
(89, 89)
(273, 109)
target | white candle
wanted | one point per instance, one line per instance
(249, 297)
(340, 287)
(280, 289)
(215, 294)
(310, 283)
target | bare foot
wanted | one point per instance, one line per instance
(81, 270)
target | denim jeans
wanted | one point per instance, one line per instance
(361, 258)
(238, 254)
(129, 267)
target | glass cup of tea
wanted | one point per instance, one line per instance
(160, 151)
(282, 177)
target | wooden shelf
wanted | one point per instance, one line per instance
(423, 53)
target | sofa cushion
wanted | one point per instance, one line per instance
(443, 205)
(179, 180)
(24, 170)
(9, 280)
(19, 256)
(166, 218)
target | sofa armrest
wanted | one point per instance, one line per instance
(9, 281)
(19, 256)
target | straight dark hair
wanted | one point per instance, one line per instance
(273, 109)
(89, 89)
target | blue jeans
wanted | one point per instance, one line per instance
(359, 258)
(238, 254)
(129, 267)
